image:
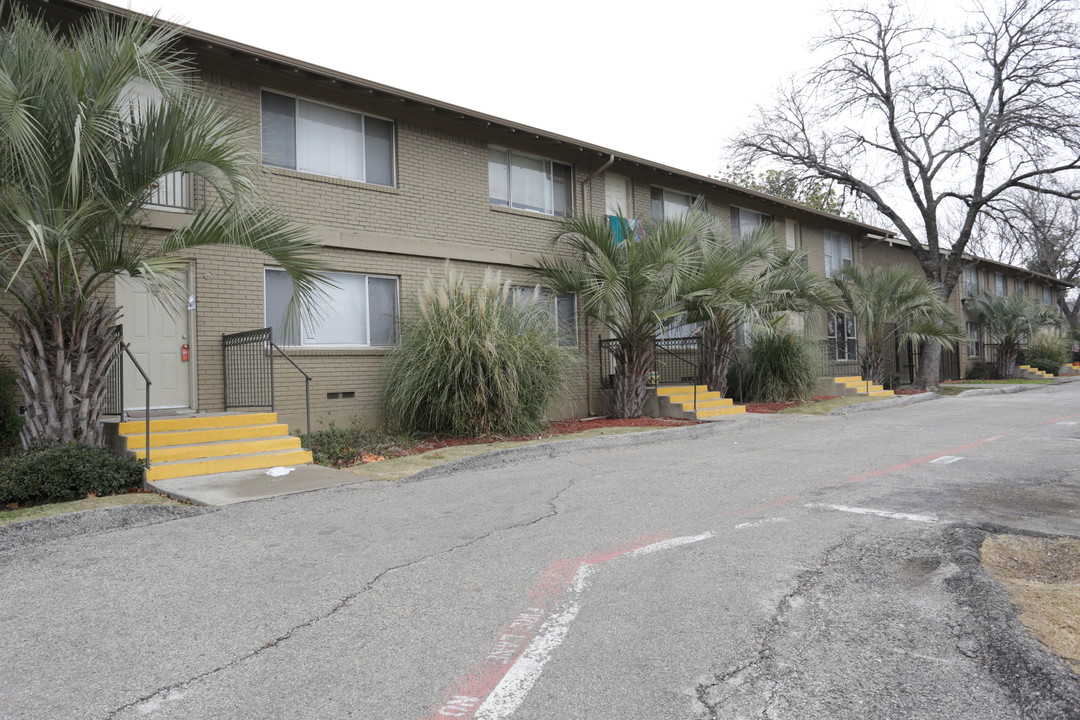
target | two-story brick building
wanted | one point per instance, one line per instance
(393, 185)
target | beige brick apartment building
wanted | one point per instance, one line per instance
(394, 185)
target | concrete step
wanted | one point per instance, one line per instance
(689, 397)
(680, 389)
(210, 435)
(196, 422)
(720, 411)
(220, 449)
(232, 463)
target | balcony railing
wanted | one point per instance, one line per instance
(172, 193)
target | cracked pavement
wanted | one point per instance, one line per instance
(371, 600)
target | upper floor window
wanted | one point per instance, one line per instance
(971, 282)
(837, 252)
(561, 308)
(361, 311)
(999, 284)
(315, 138)
(744, 222)
(173, 191)
(669, 204)
(791, 234)
(529, 183)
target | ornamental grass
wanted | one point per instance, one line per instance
(474, 360)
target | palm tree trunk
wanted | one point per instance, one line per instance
(718, 346)
(875, 361)
(633, 365)
(63, 360)
(929, 377)
(1008, 355)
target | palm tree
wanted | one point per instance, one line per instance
(631, 287)
(1009, 321)
(80, 155)
(750, 281)
(894, 304)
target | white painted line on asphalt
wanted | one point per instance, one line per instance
(1068, 422)
(756, 523)
(879, 513)
(673, 542)
(947, 459)
(515, 684)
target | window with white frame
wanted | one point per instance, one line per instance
(361, 311)
(562, 308)
(974, 340)
(999, 284)
(1021, 287)
(971, 281)
(323, 140)
(744, 222)
(837, 252)
(670, 204)
(1047, 296)
(842, 336)
(791, 234)
(526, 182)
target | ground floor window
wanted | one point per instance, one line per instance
(974, 344)
(842, 335)
(361, 311)
(562, 309)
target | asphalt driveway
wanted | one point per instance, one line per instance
(812, 567)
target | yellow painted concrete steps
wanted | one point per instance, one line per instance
(1034, 373)
(208, 444)
(850, 385)
(680, 401)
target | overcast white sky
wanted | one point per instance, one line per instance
(669, 82)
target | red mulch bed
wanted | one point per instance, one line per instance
(909, 392)
(770, 408)
(558, 427)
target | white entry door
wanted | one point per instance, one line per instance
(157, 335)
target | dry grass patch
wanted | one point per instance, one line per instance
(41, 511)
(1042, 576)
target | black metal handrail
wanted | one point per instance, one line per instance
(249, 371)
(114, 379)
(146, 379)
(668, 353)
(832, 366)
(307, 384)
(691, 345)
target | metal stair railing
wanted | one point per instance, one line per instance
(146, 379)
(691, 346)
(668, 354)
(249, 371)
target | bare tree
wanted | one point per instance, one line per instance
(933, 127)
(1042, 233)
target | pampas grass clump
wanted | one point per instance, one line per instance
(474, 360)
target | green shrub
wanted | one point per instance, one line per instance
(1047, 365)
(1048, 350)
(474, 360)
(58, 473)
(10, 422)
(342, 447)
(778, 367)
(981, 370)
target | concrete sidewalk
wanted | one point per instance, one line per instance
(243, 485)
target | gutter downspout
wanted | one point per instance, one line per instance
(586, 196)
